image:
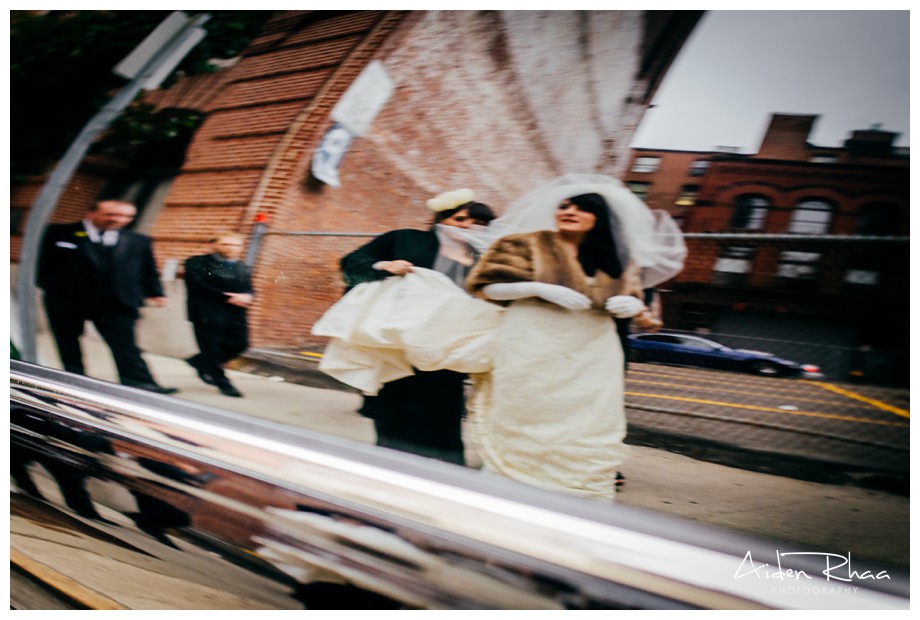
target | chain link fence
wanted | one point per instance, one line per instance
(789, 344)
(837, 302)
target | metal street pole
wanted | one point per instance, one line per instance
(151, 62)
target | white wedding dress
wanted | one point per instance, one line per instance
(381, 331)
(550, 413)
(547, 404)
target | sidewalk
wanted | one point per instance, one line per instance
(872, 525)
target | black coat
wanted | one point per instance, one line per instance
(68, 263)
(207, 278)
(419, 247)
(421, 413)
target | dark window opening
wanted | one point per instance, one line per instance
(750, 212)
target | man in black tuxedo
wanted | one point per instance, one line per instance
(94, 270)
(219, 287)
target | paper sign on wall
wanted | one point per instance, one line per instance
(364, 99)
(329, 154)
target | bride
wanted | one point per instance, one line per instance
(550, 411)
(557, 267)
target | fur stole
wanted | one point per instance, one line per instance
(542, 257)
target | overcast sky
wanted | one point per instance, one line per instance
(852, 68)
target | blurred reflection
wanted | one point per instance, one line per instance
(405, 564)
(327, 558)
(156, 516)
(70, 478)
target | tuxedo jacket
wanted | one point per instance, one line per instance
(419, 247)
(207, 278)
(68, 263)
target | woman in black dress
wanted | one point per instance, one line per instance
(421, 413)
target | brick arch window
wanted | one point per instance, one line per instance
(749, 211)
(812, 216)
(878, 218)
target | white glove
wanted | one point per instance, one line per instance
(624, 306)
(560, 295)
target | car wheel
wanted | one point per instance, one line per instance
(634, 356)
(766, 369)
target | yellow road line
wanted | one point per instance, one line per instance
(875, 403)
(692, 386)
(830, 387)
(770, 409)
(735, 378)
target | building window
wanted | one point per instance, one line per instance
(811, 217)
(688, 196)
(795, 267)
(878, 219)
(750, 212)
(733, 266)
(699, 167)
(646, 164)
(639, 188)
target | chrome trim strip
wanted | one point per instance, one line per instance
(394, 523)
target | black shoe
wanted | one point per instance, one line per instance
(229, 390)
(153, 387)
(150, 529)
(201, 373)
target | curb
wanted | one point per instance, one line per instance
(299, 367)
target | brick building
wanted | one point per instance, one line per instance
(499, 101)
(794, 243)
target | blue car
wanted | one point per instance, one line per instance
(684, 350)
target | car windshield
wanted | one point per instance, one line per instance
(662, 338)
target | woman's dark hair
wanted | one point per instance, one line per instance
(475, 210)
(598, 250)
(480, 212)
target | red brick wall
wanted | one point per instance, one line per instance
(786, 184)
(668, 180)
(460, 117)
(79, 195)
(786, 137)
(500, 101)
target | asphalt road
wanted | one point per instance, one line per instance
(807, 429)
(863, 430)
(865, 413)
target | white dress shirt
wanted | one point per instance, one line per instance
(107, 237)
